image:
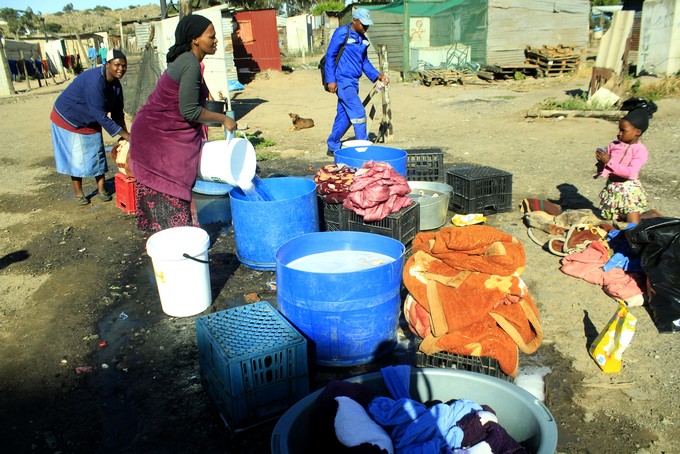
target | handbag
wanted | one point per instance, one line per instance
(322, 63)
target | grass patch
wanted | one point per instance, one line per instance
(571, 103)
(666, 87)
(259, 142)
(267, 156)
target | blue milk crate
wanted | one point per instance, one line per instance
(253, 363)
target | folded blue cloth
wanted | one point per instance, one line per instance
(398, 380)
(415, 428)
(624, 257)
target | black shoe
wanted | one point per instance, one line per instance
(330, 153)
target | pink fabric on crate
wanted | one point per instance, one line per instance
(376, 191)
(587, 265)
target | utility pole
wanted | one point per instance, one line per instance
(406, 43)
(122, 36)
(164, 9)
(184, 8)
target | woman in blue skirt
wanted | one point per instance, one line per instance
(78, 117)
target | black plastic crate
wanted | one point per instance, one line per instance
(424, 165)
(445, 360)
(402, 226)
(479, 189)
(332, 216)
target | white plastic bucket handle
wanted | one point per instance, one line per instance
(187, 256)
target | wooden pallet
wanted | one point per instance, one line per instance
(509, 71)
(440, 77)
(553, 61)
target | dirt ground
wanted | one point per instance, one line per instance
(73, 277)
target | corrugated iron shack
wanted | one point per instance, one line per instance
(489, 31)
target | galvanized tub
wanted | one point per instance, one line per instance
(433, 198)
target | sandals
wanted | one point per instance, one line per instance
(104, 196)
(82, 201)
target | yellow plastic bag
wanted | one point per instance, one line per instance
(609, 345)
(461, 220)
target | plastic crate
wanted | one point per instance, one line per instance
(424, 165)
(479, 189)
(125, 193)
(253, 363)
(445, 360)
(333, 216)
(402, 225)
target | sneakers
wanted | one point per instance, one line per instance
(104, 196)
(82, 200)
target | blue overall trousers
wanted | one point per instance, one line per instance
(352, 64)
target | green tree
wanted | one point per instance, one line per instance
(52, 27)
(331, 5)
(68, 8)
(11, 16)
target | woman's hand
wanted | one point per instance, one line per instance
(229, 124)
(124, 135)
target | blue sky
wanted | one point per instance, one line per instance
(53, 6)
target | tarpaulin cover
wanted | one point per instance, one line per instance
(657, 242)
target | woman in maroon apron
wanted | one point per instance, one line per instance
(167, 134)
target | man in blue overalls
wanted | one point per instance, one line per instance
(343, 79)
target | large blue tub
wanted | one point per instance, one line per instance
(350, 318)
(356, 156)
(261, 227)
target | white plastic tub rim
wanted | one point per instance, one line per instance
(175, 242)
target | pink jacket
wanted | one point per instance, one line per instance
(626, 160)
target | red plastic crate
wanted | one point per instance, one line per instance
(125, 193)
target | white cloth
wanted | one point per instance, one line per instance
(353, 426)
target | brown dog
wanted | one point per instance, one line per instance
(300, 123)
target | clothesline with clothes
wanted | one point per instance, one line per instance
(38, 68)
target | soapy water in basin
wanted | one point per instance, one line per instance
(340, 261)
(423, 194)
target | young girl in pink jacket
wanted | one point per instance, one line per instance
(624, 198)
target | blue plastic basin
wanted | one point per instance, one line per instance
(350, 318)
(356, 156)
(261, 227)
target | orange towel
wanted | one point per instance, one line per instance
(468, 297)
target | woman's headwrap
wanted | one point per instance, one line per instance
(189, 28)
(638, 118)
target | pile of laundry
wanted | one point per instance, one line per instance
(593, 249)
(377, 191)
(466, 295)
(374, 191)
(349, 418)
(333, 181)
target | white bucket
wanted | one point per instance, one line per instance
(180, 264)
(231, 161)
(360, 145)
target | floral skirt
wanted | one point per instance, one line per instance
(157, 211)
(621, 198)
